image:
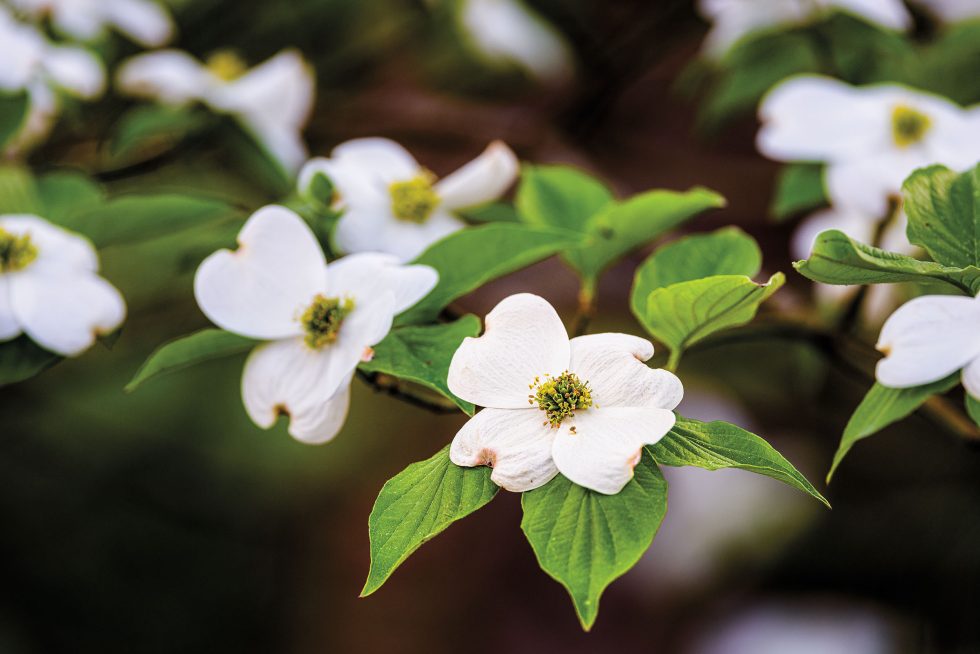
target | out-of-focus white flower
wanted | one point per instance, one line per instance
(144, 21)
(319, 321)
(731, 20)
(930, 338)
(584, 407)
(32, 64)
(951, 11)
(507, 32)
(272, 101)
(392, 204)
(871, 137)
(50, 288)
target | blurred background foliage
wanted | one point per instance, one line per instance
(164, 521)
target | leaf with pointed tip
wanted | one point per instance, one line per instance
(416, 505)
(21, 358)
(189, 350)
(585, 539)
(944, 214)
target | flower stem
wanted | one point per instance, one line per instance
(586, 307)
(393, 387)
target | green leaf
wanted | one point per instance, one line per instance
(838, 259)
(155, 128)
(973, 408)
(715, 445)
(13, 111)
(21, 359)
(492, 212)
(134, 218)
(417, 504)
(66, 194)
(683, 314)
(560, 196)
(881, 407)
(585, 540)
(189, 350)
(469, 258)
(18, 191)
(627, 225)
(422, 354)
(799, 188)
(727, 251)
(944, 214)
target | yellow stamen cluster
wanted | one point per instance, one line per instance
(414, 200)
(16, 252)
(226, 65)
(561, 396)
(909, 126)
(322, 320)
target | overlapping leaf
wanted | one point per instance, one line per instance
(944, 214)
(190, 350)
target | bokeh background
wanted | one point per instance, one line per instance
(164, 521)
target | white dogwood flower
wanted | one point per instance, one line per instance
(144, 21)
(731, 20)
(272, 101)
(871, 137)
(584, 407)
(503, 32)
(930, 338)
(319, 321)
(392, 204)
(50, 288)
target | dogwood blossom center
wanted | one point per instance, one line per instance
(322, 320)
(908, 125)
(414, 200)
(226, 65)
(561, 396)
(16, 251)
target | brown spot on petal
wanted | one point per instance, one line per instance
(884, 349)
(280, 410)
(367, 354)
(488, 457)
(635, 459)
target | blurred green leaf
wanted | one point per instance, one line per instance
(944, 214)
(18, 191)
(799, 188)
(154, 128)
(417, 504)
(973, 408)
(585, 539)
(422, 354)
(881, 407)
(682, 314)
(65, 194)
(838, 259)
(727, 251)
(492, 212)
(560, 196)
(190, 350)
(469, 258)
(21, 358)
(13, 111)
(715, 445)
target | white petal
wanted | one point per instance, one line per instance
(81, 20)
(481, 180)
(76, 70)
(971, 378)
(21, 50)
(170, 76)
(524, 339)
(866, 185)
(887, 13)
(9, 327)
(145, 21)
(927, 339)
(607, 444)
(813, 118)
(733, 19)
(855, 224)
(369, 275)
(263, 288)
(375, 229)
(515, 442)
(279, 91)
(54, 244)
(284, 143)
(952, 11)
(287, 377)
(613, 366)
(378, 161)
(64, 309)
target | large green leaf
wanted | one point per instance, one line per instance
(560, 196)
(881, 407)
(13, 111)
(715, 445)
(944, 214)
(682, 314)
(18, 191)
(838, 259)
(154, 128)
(799, 188)
(418, 503)
(727, 251)
(21, 359)
(189, 350)
(422, 354)
(585, 539)
(472, 257)
(66, 194)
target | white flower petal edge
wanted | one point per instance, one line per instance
(971, 378)
(524, 339)
(371, 273)
(481, 180)
(929, 338)
(513, 441)
(607, 444)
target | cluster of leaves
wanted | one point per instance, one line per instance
(943, 209)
